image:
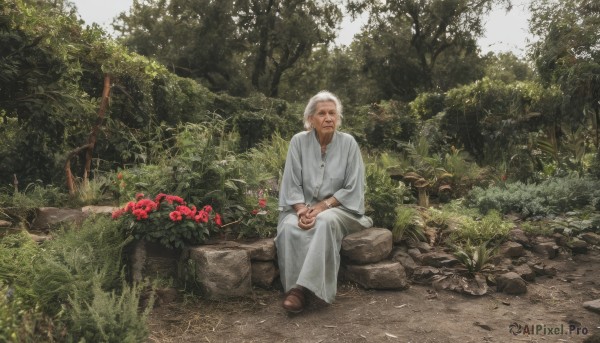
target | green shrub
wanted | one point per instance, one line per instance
(407, 224)
(474, 258)
(108, 316)
(383, 195)
(553, 196)
(537, 229)
(491, 228)
(74, 258)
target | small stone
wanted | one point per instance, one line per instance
(438, 259)
(538, 269)
(511, 283)
(415, 254)
(399, 255)
(525, 272)
(5, 224)
(423, 247)
(165, 296)
(547, 249)
(512, 249)
(39, 238)
(519, 236)
(264, 273)
(593, 305)
(591, 238)
(560, 239)
(424, 273)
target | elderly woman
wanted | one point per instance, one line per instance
(321, 200)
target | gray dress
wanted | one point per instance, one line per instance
(311, 258)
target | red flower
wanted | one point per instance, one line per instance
(175, 216)
(159, 197)
(120, 176)
(254, 212)
(218, 220)
(139, 196)
(174, 198)
(140, 214)
(207, 208)
(186, 211)
(201, 217)
(117, 213)
(262, 203)
(146, 205)
(130, 206)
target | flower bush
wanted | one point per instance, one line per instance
(168, 220)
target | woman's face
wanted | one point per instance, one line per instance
(324, 120)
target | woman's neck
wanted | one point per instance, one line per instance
(325, 139)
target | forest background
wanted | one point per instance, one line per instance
(199, 98)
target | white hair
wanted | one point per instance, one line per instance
(311, 108)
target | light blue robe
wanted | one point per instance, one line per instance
(311, 258)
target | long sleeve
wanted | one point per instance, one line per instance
(351, 195)
(291, 191)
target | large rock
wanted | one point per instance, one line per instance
(151, 259)
(382, 275)
(512, 249)
(367, 246)
(591, 238)
(261, 250)
(221, 272)
(511, 283)
(578, 246)
(52, 217)
(264, 273)
(438, 259)
(108, 210)
(593, 305)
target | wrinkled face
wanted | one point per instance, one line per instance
(324, 120)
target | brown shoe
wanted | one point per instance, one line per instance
(294, 300)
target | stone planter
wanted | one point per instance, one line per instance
(152, 260)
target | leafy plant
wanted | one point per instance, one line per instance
(407, 224)
(552, 196)
(167, 220)
(489, 228)
(383, 195)
(474, 258)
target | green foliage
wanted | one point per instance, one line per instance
(536, 229)
(109, 316)
(70, 287)
(383, 195)
(407, 224)
(167, 220)
(507, 67)
(388, 123)
(474, 258)
(477, 231)
(552, 196)
(69, 263)
(491, 119)
(426, 105)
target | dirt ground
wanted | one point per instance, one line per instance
(418, 314)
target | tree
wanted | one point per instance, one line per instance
(197, 39)
(227, 42)
(568, 53)
(407, 39)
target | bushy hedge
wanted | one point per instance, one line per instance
(553, 196)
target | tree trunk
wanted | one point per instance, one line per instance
(92, 138)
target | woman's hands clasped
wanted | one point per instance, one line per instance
(307, 216)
